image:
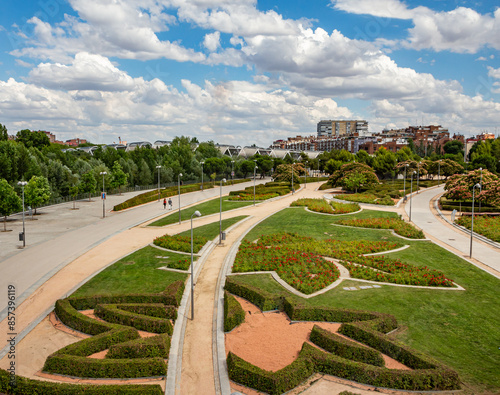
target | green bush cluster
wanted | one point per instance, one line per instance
(152, 309)
(466, 206)
(264, 191)
(113, 313)
(181, 243)
(233, 312)
(345, 348)
(25, 386)
(369, 198)
(262, 299)
(149, 347)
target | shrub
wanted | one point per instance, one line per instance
(181, 243)
(233, 312)
(262, 299)
(149, 347)
(486, 226)
(401, 227)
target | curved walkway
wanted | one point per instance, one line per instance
(424, 215)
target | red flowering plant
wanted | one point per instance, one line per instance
(487, 226)
(459, 186)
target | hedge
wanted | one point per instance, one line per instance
(233, 312)
(149, 347)
(151, 309)
(345, 348)
(112, 313)
(71, 365)
(262, 299)
(25, 386)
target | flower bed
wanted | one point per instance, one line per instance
(400, 227)
(486, 226)
(247, 196)
(181, 243)
(322, 206)
(367, 198)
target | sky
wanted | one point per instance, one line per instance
(246, 72)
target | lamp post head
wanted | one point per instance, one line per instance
(202, 162)
(22, 183)
(102, 173)
(478, 185)
(158, 167)
(223, 180)
(180, 175)
(197, 213)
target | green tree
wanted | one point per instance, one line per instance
(10, 202)
(4, 136)
(354, 180)
(37, 192)
(454, 147)
(384, 163)
(118, 177)
(32, 139)
(338, 177)
(88, 183)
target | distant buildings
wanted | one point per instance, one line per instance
(339, 128)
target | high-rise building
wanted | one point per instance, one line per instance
(338, 128)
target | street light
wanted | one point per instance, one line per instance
(293, 162)
(23, 184)
(158, 167)
(202, 163)
(481, 184)
(103, 173)
(232, 170)
(254, 170)
(198, 214)
(411, 190)
(418, 174)
(305, 176)
(220, 215)
(404, 180)
(179, 187)
(472, 222)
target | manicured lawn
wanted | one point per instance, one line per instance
(135, 273)
(459, 328)
(206, 208)
(211, 231)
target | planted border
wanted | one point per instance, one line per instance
(233, 312)
(149, 347)
(262, 299)
(399, 226)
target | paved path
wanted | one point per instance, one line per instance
(424, 216)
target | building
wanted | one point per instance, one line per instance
(75, 142)
(338, 128)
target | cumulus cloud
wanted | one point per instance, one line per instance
(86, 72)
(379, 8)
(212, 41)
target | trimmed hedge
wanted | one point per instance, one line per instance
(28, 386)
(278, 382)
(342, 347)
(76, 320)
(149, 347)
(112, 313)
(262, 299)
(71, 365)
(152, 309)
(233, 312)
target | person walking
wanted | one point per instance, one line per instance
(164, 204)
(170, 203)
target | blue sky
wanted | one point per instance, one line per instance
(246, 71)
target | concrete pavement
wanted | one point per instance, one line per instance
(424, 216)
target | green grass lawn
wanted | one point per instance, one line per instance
(211, 231)
(459, 328)
(205, 208)
(135, 273)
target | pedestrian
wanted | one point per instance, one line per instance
(170, 203)
(164, 204)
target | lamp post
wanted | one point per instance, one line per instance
(254, 170)
(198, 214)
(418, 174)
(481, 184)
(293, 162)
(220, 211)
(23, 184)
(158, 167)
(439, 170)
(472, 222)
(179, 188)
(232, 170)
(305, 177)
(202, 163)
(404, 179)
(103, 173)
(411, 190)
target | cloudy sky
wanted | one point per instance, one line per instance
(246, 71)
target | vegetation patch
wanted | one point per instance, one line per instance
(367, 198)
(181, 243)
(487, 226)
(401, 227)
(322, 206)
(233, 312)
(262, 191)
(149, 347)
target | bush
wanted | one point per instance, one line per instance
(401, 227)
(149, 347)
(76, 320)
(113, 313)
(28, 386)
(344, 348)
(262, 299)
(233, 312)
(181, 243)
(153, 309)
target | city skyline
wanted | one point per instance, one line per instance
(246, 72)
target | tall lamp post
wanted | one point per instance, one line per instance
(232, 170)
(404, 179)
(198, 214)
(472, 219)
(103, 173)
(439, 170)
(179, 188)
(220, 211)
(202, 163)
(411, 190)
(418, 174)
(305, 176)
(254, 170)
(23, 184)
(293, 162)
(481, 184)
(158, 167)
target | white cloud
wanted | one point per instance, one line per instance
(481, 59)
(379, 8)
(22, 63)
(212, 41)
(86, 72)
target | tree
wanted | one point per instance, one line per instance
(354, 180)
(10, 202)
(246, 167)
(459, 186)
(88, 183)
(454, 147)
(3, 133)
(338, 178)
(32, 139)
(283, 173)
(384, 163)
(118, 177)
(37, 191)
(484, 161)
